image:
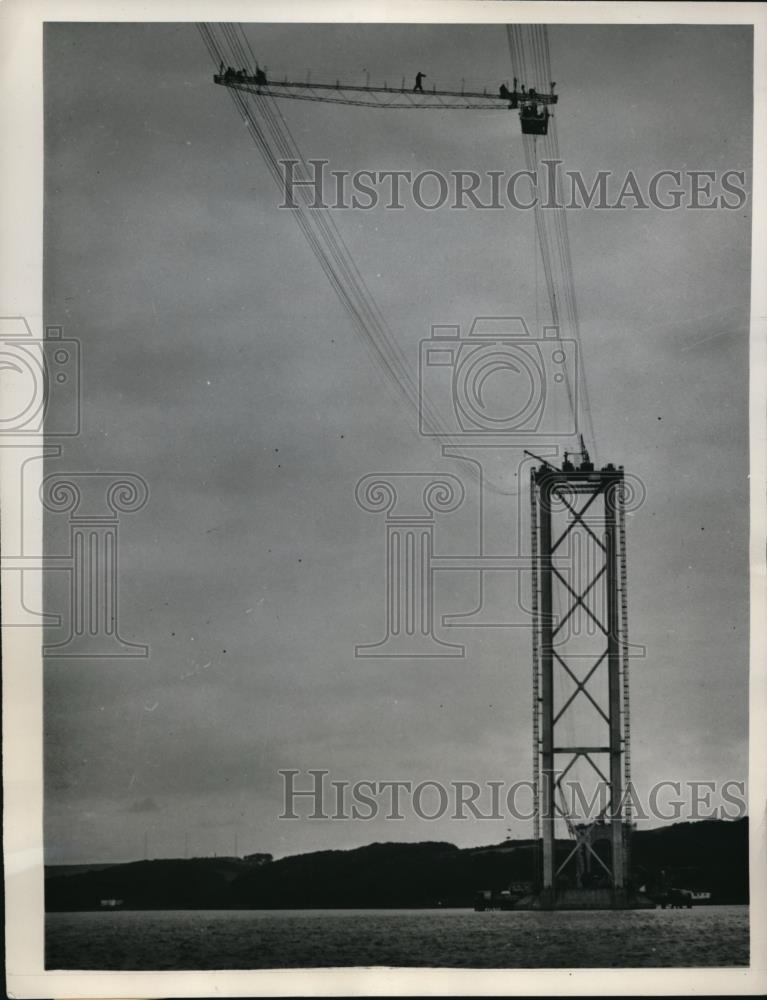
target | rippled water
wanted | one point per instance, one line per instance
(261, 939)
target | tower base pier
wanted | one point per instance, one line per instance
(585, 899)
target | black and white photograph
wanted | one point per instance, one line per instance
(379, 464)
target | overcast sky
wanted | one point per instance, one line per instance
(219, 365)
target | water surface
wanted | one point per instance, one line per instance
(262, 939)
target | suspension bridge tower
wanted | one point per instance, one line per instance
(581, 723)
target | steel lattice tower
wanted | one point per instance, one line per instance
(580, 639)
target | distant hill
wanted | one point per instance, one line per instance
(710, 854)
(63, 870)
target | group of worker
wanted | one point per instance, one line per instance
(242, 75)
(527, 95)
(528, 99)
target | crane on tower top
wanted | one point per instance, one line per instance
(533, 106)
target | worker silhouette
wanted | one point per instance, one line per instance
(419, 77)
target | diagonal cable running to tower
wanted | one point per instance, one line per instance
(530, 59)
(272, 137)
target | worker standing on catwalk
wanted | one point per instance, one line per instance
(419, 77)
